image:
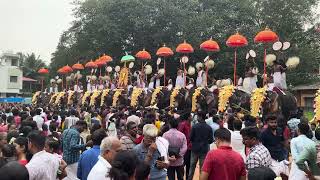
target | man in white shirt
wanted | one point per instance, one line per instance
(43, 165)
(38, 119)
(71, 120)
(109, 147)
(236, 139)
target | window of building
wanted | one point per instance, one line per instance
(14, 62)
(13, 79)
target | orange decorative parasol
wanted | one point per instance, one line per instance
(236, 41)
(164, 52)
(143, 55)
(106, 58)
(77, 66)
(184, 48)
(265, 36)
(91, 65)
(99, 62)
(209, 46)
(67, 69)
(43, 71)
(61, 71)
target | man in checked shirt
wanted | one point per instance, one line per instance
(259, 155)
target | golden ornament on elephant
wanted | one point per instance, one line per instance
(257, 98)
(195, 96)
(224, 94)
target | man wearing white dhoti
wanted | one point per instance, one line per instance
(180, 79)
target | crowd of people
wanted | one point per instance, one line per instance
(48, 143)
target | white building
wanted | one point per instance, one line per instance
(10, 75)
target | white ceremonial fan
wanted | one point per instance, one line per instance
(158, 61)
(109, 69)
(185, 59)
(206, 59)
(286, 45)
(252, 53)
(131, 65)
(247, 56)
(191, 70)
(277, 46)
(117, 68)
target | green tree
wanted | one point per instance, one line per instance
(30, 64)
(115, 27)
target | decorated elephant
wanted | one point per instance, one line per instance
(203, 99)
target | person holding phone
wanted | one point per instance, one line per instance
(153, 151)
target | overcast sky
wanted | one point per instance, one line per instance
(33, 25)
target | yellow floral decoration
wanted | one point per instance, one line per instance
(154, 95)
(53, 98)
(116, 97)
(173, 96)
(58, 99)
(135, 95)
(224, 94)
(103, 95)
(124, 77)
(317, 106)
(85, 96)
(70, 94)
(35, 97)
(93, 97)
(195, 95)
(257, 98)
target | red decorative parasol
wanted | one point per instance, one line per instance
(43, 71)
(99, 62)
(91, 65)
(67, 69)
(184, 48)
(265, 36)
(77, 66)
(164, 52)
(61, 71)
(209, 46)
(236, 41)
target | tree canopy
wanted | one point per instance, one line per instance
(115, 27)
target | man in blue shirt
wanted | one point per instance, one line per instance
(71, 147)
(90, 157)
